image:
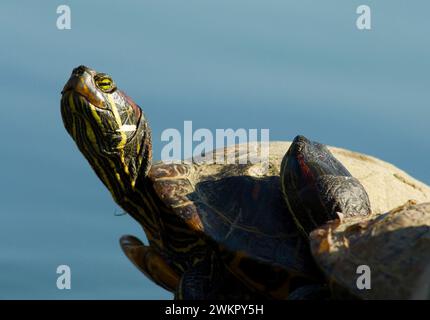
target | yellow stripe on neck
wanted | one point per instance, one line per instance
(123, 141)
(118, 121)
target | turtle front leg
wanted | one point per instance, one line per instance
(150, 262)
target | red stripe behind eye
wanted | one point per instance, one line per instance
(306, 172)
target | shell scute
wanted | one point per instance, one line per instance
(169, 171)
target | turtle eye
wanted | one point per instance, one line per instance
(104, 83)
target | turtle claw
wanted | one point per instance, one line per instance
(128, 241)
(340, 216)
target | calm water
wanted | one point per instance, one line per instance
(290, 66)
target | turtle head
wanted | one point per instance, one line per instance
(307, 160)
(317, 187)
(108, 127)
(303, 150)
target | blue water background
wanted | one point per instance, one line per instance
(290, 66)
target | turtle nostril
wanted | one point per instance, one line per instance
(79, 70)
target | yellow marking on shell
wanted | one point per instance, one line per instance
(172, 178)
(182, 204)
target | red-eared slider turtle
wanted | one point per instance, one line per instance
(364, 255)
(214, 230)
